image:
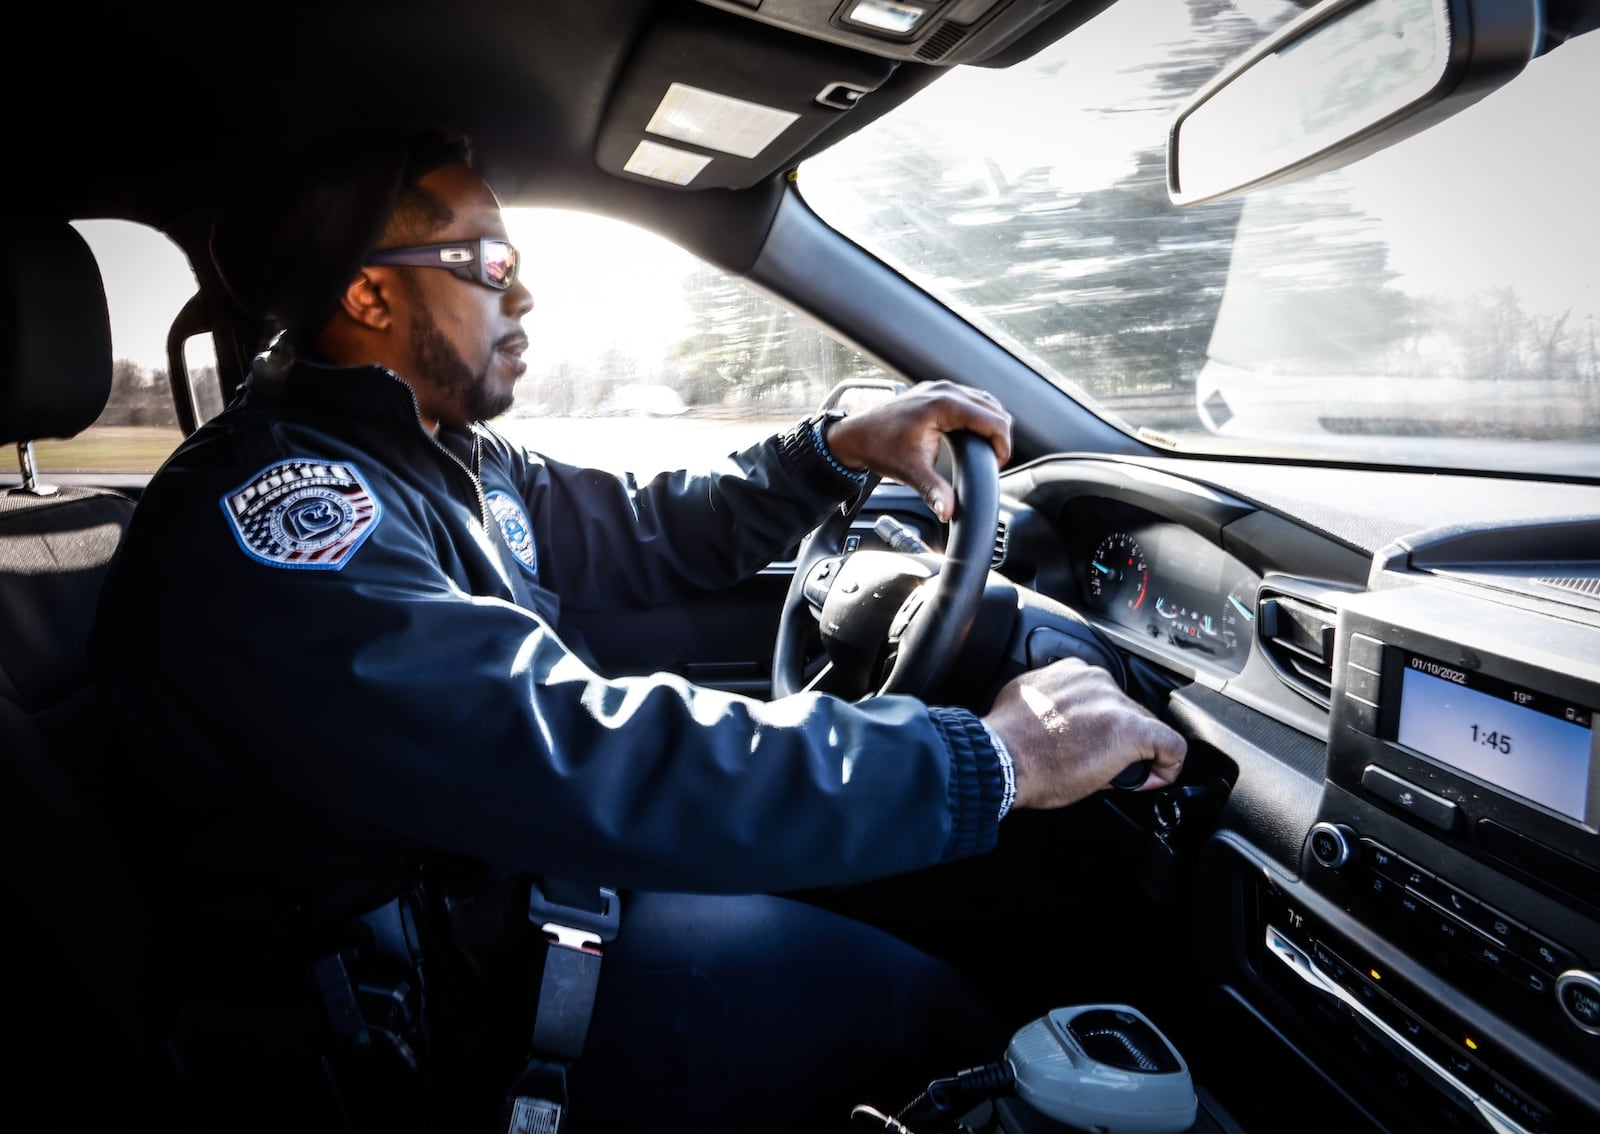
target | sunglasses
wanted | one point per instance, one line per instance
(489, 260)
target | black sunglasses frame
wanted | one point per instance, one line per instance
(464, 258)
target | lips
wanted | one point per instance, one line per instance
(512, 348)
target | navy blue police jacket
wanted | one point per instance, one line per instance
(331, 643)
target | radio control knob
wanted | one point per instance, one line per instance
(1332, 844)
(1578, 993)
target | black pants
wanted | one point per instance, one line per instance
(751, 1014)
(765, 1015)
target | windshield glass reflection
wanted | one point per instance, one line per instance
(1432, 304)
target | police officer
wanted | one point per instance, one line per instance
(345, 593)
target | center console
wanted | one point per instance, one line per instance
(1445, 927)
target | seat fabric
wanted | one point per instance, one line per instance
(77, 949)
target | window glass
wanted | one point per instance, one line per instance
(645, 358)
(642, 357)
(147, 281)
(1433, 304)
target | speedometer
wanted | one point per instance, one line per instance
(1119, 577)
(1236, 623)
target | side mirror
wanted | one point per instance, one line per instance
(1345, 79)
(856, 394)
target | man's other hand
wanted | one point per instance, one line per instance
(1071, 730)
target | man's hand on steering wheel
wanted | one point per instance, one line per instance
(899, 439)
(888, 623)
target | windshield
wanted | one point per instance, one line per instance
(1433, 304)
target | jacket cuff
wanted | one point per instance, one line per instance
(806, 457)
(977, 784)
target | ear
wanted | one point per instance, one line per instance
(366, 299)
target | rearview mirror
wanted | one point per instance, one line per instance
(1345, 79)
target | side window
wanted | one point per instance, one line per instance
(644, 358)
(147, 281)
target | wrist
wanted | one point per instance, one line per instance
(834, 437)
(814, 465)
(1008, 769)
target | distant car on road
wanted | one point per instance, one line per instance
(642, 399)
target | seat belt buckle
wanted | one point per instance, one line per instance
(574, 926)
(527, 1115)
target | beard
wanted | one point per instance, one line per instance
(468, 396)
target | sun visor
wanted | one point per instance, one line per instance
(724, 104)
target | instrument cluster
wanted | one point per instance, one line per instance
(1164, 581)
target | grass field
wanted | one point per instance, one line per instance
(641, 445)
(109, 448)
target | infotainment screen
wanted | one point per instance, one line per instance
(1517, 739)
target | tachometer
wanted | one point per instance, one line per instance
(1119, 577)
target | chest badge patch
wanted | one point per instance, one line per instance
(305, 514)
(514, 528)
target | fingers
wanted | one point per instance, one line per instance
(1163, 763)
(900, 439)
(980, 412)
(940, 496)
(1071, 730)
(1168, 750)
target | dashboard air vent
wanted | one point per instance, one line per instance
(1582, 585)
(1000, 541)
(1297, 638)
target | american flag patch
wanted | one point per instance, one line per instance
(302, 513)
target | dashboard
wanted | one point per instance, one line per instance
(1389, 684)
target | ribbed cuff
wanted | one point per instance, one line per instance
(1008, 769)
(976, 790)
(810, 461)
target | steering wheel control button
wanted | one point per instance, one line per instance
(1432, 809)
(1578, 992)
(820, 581)
(1332, 845)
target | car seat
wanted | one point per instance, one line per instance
(76, 946)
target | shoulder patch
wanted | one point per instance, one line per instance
(514, 528)
(302, 513)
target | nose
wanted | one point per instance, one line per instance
(520, 299)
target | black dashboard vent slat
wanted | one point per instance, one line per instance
(1297, 636)
(1000, 542)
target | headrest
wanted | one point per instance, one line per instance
(55, 334)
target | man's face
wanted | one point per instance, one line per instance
(465, 339)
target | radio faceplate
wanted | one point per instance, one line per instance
(1474, 721)
(1459, 824)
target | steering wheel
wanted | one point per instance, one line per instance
(890, 621)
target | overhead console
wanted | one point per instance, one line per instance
(1446, 925)
(923, 31)
(721, 94)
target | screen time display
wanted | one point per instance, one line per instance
(1524, 742)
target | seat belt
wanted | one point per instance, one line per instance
(577, 922)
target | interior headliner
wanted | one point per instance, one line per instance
(147, 111)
